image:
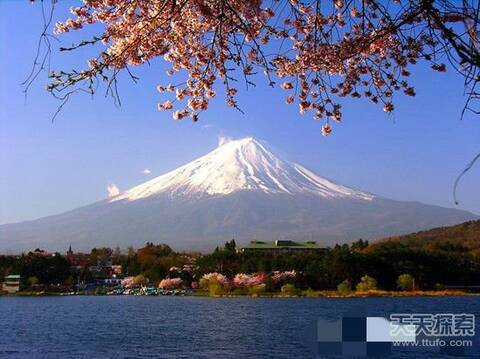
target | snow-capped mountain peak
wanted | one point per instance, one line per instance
(240, 188)
(236, 165)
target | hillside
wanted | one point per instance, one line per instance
(466, 235)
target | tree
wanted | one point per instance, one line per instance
(230, 246)
(54, 269)
(215, 283)
(140, 280)
(100, 256)
(117, 255)
(359, 245)
(366, 283)
(224, 260)
(170, 283)
(32, 281)
(319, 51)
(344, 287)
(406, 282)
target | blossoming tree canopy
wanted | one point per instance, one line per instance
(170, 283)
(128, 282)
(279, 276)
(217, 277)
(319, 52)
(248, 280)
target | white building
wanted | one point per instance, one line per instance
(12, 283)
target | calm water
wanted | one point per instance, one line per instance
(186, 327)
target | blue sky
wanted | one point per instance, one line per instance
(48, 168)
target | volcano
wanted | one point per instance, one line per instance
(240, 190)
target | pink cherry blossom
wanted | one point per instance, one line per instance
(248, 280)
(170, 283)
(218, 277)
(128, 282)
(320, 54)
(279, 276)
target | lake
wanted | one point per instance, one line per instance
(188, 327)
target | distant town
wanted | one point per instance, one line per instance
(281, 267)
(112, 271)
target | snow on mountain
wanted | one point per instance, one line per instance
(243, 164)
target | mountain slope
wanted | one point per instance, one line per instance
(240, 189)
(466, 235)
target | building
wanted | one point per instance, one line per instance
(77, 260)
(109, 282)
(12, 283)
(279, 247)
(117, 269)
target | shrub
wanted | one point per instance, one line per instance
(438, 286)
(257, 290)
(270, 284)
(366, 283)
(216, 284)
(406, 282)
(203, 284)
(344, 287)
(289, 290)
(310, 293)
(32, 281)
(215, 288)
(240, 291)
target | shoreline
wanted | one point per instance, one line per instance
(303, 294)
(335, 294)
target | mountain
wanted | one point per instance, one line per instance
(240, 189)
(242, 165)
(464, 236)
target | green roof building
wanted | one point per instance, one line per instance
(279, 247)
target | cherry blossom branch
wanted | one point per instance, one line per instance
(338, 48)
